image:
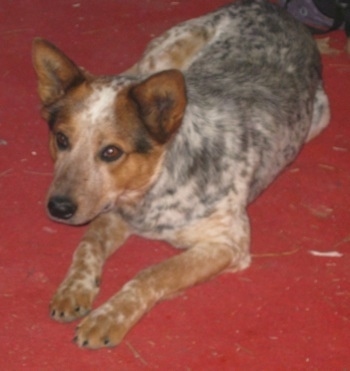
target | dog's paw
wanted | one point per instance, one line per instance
(73, 299)
(100, 329)
(107, 325)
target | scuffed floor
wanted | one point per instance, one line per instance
(289, 311)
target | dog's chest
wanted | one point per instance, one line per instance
(162, 213)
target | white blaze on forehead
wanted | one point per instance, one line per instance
(99, 105)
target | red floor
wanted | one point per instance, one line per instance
(289, 311)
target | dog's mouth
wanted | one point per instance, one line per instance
(107, 208)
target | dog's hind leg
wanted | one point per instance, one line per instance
(320, 114)
(176, 48)
(214, 251)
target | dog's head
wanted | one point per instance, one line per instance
(108, 134)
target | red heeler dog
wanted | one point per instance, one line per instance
(174, 149)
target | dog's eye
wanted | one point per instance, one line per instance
(111, 153)
(62, 141)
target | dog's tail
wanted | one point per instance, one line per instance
(320, 115)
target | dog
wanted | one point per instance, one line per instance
(174, 148)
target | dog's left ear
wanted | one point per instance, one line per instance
(56, 72)
(161, 102)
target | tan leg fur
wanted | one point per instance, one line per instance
(176, 48)
(76, 293)
(218, 243)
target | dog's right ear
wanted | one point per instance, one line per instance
(56, 72)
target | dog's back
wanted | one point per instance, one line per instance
(257, 33)
(251, 92)
(262, 72)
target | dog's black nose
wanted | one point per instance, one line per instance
(61, 207)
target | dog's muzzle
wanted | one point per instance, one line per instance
(61, 207)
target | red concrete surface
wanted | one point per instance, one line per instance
(289, 311)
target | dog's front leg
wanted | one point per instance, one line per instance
(211, 254)
(76, 293)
